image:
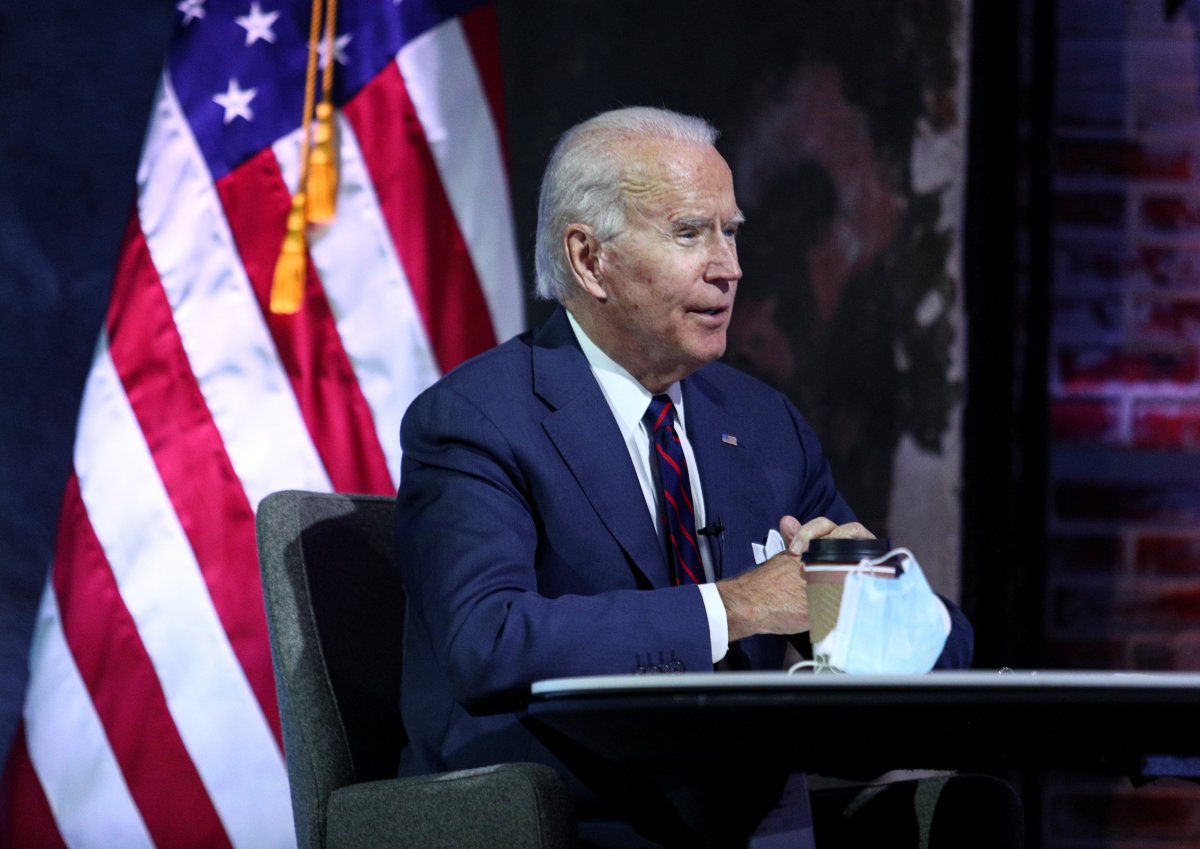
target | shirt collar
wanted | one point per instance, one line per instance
(627, 398)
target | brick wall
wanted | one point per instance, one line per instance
(1123, 579)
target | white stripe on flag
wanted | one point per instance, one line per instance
(211, 703)
(368, 292)
(228, 345)
(69, 750)
(443, 81)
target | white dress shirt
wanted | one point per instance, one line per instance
(628, 400)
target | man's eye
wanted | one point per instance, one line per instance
(731, 232)
(687, 235)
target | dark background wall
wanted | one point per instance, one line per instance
(1122, 378)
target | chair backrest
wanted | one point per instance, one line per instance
(335, 614)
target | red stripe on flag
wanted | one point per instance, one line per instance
(119, 675)
(419, 217)
(338, 417)
(27, 819)
(482, 34)
(191, 459)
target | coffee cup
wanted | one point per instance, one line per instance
(826, 565)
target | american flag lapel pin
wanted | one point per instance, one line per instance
(729, 439)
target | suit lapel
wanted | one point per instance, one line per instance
(582, 428)
(737, 494)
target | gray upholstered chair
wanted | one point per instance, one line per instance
(335, 612)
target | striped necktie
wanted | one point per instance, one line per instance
(679, 516)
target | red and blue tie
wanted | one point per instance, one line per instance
(679, 516)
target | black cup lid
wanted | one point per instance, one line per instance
(846, 550)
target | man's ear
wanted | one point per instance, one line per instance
(583, 256)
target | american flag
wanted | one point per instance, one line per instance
(150, 717)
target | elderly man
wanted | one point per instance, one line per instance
(584, 499)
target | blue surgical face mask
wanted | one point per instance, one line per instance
(885, 626)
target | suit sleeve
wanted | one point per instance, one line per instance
(468, 543)
(960, 644)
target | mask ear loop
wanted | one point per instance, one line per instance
(821, 664)
(882, 560)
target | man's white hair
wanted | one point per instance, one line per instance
(582, 183)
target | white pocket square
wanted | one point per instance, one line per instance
(765, 551)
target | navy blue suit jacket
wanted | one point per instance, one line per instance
(527, 550)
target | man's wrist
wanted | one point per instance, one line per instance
(738, 609)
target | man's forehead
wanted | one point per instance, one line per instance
(664, 158)
(687, 179)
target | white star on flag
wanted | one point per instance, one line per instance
(192, 10)
(258, 24)
(236, 101)
(339, 47)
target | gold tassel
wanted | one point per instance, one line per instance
(322, 168)
(291, 269)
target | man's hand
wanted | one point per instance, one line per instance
(798, 536)
(773, 598)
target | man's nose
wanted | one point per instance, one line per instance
(723, 263)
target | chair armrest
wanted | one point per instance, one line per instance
(522, 806)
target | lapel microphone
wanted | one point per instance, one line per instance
(715, 532)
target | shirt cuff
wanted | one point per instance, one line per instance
(718, 622)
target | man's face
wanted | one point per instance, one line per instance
(670, 277)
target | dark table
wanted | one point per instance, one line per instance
(631, 736)
(1136, 724)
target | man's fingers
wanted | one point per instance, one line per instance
(810, 530)
(798, 536)
(789, 526)
(851, 530)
